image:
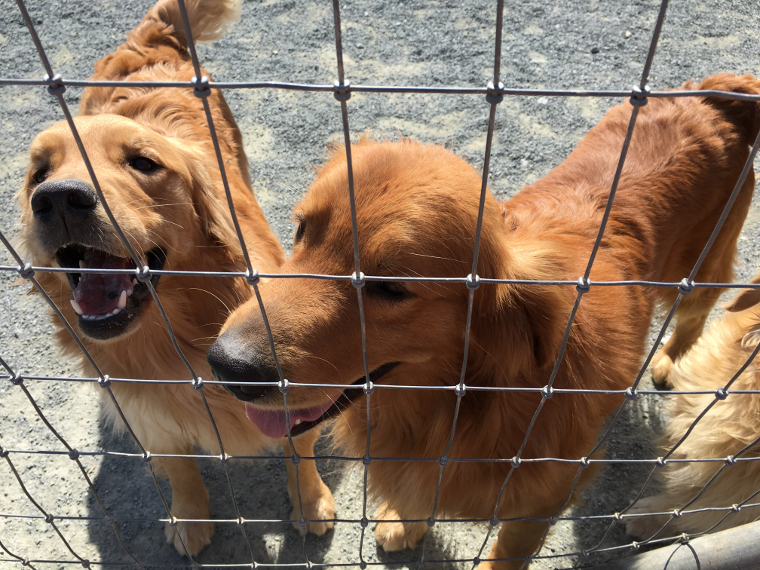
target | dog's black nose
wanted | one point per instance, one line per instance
(69, 196)
(229, 363)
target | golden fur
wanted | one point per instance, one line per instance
(417, 208)
(726, 429)
(182, 208)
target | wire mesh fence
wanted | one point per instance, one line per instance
(33, 456)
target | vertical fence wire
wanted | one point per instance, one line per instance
(342, 95)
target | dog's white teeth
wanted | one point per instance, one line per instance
(298, 422)
(122, 301)
(82, 264)
(77, 308)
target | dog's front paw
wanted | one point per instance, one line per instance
(319, 509)
(394, 536)
(662, 365)
(192, 536)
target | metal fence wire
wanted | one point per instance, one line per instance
(495, 93)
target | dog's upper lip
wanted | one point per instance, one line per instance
(299, 425)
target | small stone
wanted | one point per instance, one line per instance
(594, 50)
(627, 34)
(275, 52)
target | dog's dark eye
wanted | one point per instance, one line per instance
(41, 175)
(143, 164)
(390, 290)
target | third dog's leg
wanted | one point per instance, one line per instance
(316, 498)
(394, 536)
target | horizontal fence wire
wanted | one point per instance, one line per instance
(342, 91)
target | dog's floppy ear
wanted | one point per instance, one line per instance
(210, 202)
(745, 299)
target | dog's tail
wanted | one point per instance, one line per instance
(162, 27)
(745, 115)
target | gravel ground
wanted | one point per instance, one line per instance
(571, 44)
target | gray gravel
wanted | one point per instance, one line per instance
(570, 44)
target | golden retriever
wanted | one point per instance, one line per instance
(731, 425)
(417, 207)
(153, 156)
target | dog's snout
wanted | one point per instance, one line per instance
(69, 196)
(230, 363)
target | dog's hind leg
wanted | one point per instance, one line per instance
(316, 498)
(189, 501)
(691, 317)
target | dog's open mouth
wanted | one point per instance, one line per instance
(272, 423)
(106, 303)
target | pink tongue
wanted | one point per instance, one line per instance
(99, 294)
(272, 422)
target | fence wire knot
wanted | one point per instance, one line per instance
(202, 88)
(223, 458)
(240, 521)
(730, 460)
(295, 459)
(684, 538)
(252, 277)
(56, 86)
(26, 272)
(660, 462)
(639, 96)
(583, 286)
(494, 521)
(736, 508)
(17, 379)
(472, 282)
(618, 516)
(552, 521)
(444, 461)
(362, 565)
(143, 274)
(635, 545)
(146, 457)
(686, 286)
(49, 518)
(85, 563)
(430, 522)
(104, 381)
(283, 385)
(302, 522)
(369, 387)
(547, 392)
(515, 462)
(197, 383)
(366, 460)
(631, 394)
(584, 462)
(460, 389)
(173, 521)
(3, 452)
(494, 96)
(721, 394)
(676, 513)
(357, 282)
(342, 90)
(74, 454)
(364, 522)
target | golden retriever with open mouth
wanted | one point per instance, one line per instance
(417, 208)
(730, 426)
(153, 156)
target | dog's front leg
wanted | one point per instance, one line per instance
(316, 498)
(516, 540)
(189, 501)
(394, 536)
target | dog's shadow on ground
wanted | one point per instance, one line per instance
(128, 491)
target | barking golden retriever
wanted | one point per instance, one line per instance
(417, 208)
(731, 425)
(153, 156)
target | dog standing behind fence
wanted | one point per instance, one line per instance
(152, 154)
(417, 208)
(728, 427)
